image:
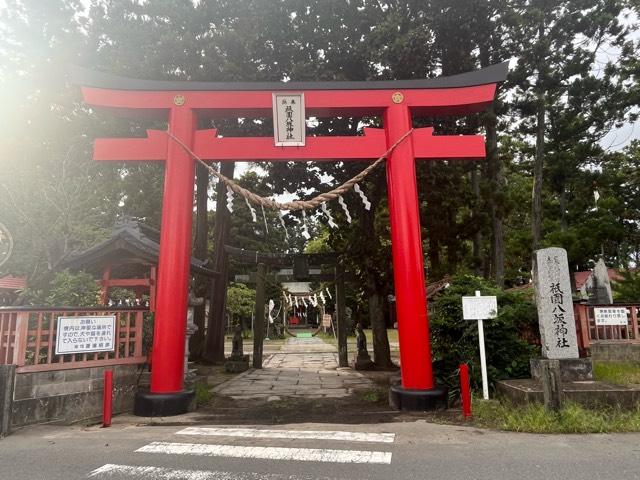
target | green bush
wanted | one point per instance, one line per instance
(66, 289)
(455, 341)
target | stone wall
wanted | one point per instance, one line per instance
(69, 396)
(619, 352)
(7, 377)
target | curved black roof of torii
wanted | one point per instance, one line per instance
(89, 78)
(129, 240)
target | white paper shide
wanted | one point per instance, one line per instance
(289, 119)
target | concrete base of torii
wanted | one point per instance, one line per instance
(418, 400)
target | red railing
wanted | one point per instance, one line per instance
(28, 337)
(588, 332)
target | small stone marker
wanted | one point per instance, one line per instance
(602, 293)
(555, 304)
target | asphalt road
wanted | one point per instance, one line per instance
(410, 450)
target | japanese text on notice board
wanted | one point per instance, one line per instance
(85, 334)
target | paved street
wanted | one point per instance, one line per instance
(304, 368)
(190, 447)
(397, 451)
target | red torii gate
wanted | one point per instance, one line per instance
(183, 103)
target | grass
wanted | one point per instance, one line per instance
(371, 396)
(329, 338)
(203, 394)
(572, 418)
(620, 373)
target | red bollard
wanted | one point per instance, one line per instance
(465, 391)
(107, 398)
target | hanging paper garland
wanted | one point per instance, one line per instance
(328, 292)
(254, 217)
(365, 200)
(322, 299)
(303, 302)
(343, 204)
(286, 233)
(305, 229)
(264, 217)
(229, 199)
(315, 300)
(295, 299)
(326, 211)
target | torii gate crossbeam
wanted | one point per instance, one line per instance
(183, 104)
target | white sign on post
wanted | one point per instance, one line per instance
(289, 117)
(85, 334)
(481, 308)
(610, 316)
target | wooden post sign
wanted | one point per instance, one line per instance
(481, 308)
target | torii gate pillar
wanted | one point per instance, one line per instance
(182, 103)
(417, 390)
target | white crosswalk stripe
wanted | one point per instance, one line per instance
(298, 454)
(291, 434)
(111, 470)
(269, 453)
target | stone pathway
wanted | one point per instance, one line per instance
(305, 368)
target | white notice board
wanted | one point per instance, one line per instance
(85, 334)
(610, 316)
(479, 308)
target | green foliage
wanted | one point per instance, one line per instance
(55, 199)
(455, 340)
(371, 396)
(572, 418)
(627, 289)
(203, 394)
(67, 289)
(240, 300)
(620, 373)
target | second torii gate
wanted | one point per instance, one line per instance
(183, 104)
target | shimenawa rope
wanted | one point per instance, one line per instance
(296, 204)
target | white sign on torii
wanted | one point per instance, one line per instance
(481, 308)
(289, 119)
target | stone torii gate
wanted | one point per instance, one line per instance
(182, 104)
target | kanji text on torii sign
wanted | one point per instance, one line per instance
(289, 119)
(183, 105)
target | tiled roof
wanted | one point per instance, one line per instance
(13, 283)
(582, 277)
